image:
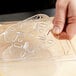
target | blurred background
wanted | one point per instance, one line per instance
(20, 10)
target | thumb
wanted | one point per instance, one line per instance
(60, 16)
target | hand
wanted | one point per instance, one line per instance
(65, 10)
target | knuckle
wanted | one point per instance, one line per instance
(58, 21)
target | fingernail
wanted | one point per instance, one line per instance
(56, 30)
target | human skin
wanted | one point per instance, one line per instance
(65, 10)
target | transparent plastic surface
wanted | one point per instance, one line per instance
(26, 39)
(23, 50)
(26, 49)
(30, 39)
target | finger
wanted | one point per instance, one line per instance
(71, 30)
(60, 16)
(62, 36)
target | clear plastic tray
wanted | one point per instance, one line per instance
(26, 49)
(26, 39)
